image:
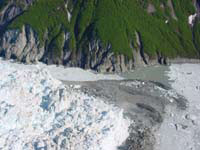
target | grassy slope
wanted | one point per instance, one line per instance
(43, 15)
(115, 22)
(118, 21)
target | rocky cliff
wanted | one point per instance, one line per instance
(106, 36)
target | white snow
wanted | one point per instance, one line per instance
(69, 16)
(191, 19)
(181, 130)
(39, 112)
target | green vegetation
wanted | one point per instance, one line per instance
(197, 35)
(42, 16)
(115, 22)
(57, 43)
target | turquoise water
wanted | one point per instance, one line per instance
(151, 73)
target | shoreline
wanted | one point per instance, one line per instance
(183, 60)
(151, 63)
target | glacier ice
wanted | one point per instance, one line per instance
(40, 112)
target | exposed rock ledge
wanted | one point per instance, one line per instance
(24, 45)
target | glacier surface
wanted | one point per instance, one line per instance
(38, 112)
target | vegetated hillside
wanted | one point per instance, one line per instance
(105, 35)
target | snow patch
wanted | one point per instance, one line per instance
(191, 19)
(69, 16)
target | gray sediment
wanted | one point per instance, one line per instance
(144, 102)
(156, 73)
(183, 61)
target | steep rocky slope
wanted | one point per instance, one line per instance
(106, 36)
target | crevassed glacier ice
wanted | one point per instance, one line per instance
(39, 112)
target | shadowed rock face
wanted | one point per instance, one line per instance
(11, 12)
(144, 102)
(25, 46)
(22, 46)
(12, 9)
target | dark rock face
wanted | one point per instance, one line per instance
(25, 46)
(11, 12)
(22, 46)
(102, 59)
(12, 9)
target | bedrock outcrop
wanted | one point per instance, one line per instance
(24, 46)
